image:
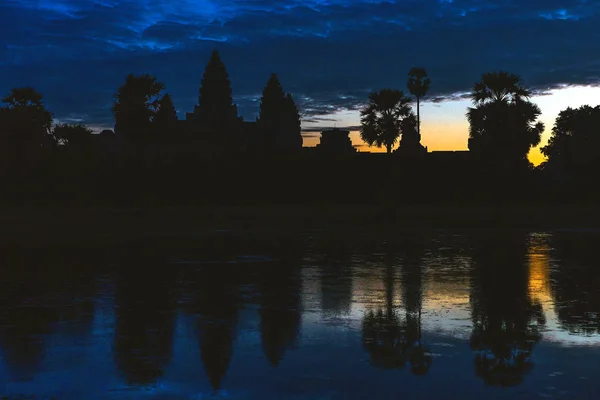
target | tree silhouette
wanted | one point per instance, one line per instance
(506, 321)
(418, 86)
(278, 121)
(383, 118)
(136, 103)
(77, 138)
(502, 122)
(574, 143)
(25, 127)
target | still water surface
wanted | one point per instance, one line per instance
(259, 315)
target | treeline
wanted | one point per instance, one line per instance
(214, 156)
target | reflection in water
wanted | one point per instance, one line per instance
(144, 320)
(473, 301)
(280, 307)
(34, 300)
(382, 336)
(575, 283)
(215, 299)
(506, 321)
(336, 279)
(412, 293)
(391, 340)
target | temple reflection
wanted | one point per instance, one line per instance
(280, 288)
(214, 296)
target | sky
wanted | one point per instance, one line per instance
(328, 53)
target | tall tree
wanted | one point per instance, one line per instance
(25, 126)
(215, 104)
(418, 85)
(575, 140)
(279, 120)
(136, 103)
(503, 125)
(383, 117)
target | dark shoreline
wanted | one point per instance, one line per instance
(55, 225)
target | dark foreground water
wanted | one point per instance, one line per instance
(259, 315)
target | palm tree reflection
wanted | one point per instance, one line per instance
(412, 290)
(506, 321)
(390, 340)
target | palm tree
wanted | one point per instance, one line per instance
(418, 86)
(503, 121)
(382, 118)
(136, 103)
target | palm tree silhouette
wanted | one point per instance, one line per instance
(383, 117)
(136, 103)
(418, 85)
(503, 121)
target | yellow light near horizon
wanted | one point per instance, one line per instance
(444, 125)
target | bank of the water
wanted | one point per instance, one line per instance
(53, 225)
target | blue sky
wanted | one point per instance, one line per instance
(328, 53)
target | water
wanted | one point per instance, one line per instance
(318, 315)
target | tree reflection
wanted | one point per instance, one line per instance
(26, 316)
(382, 335)
(40, 291)
(412, 293)
(506, 321)
(280, 304)
(574, 282)
(145, 306)
(391, 340)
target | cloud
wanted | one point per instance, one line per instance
(329, 54)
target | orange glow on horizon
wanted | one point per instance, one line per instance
(444, 125)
